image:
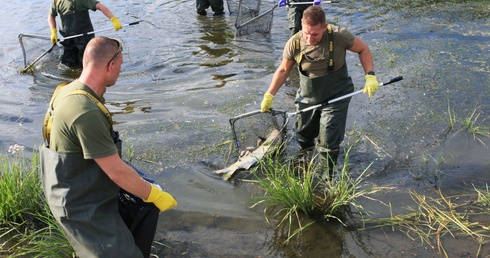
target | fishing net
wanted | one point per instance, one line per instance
(34, 46)
(251, 128)
(249, 19)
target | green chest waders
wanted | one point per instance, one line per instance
(327, 123)
(87, 203)
(73, 24)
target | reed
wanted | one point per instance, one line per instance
(27, 227)
(293, 192)
(44, 240)
(20, 188)
(437, 217)
(473, 124)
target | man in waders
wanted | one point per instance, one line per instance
(319, 51)
(105, 208)
(75, 20)
(295, 9)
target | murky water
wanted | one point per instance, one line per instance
(184, 76)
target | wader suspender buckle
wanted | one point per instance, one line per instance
(48, 119)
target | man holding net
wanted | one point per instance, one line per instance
(319, 51)
(75, 20)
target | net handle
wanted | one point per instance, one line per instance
(395, 79)
(23, 70)
(255, 18)
(97, 31)
(237, 26)
(323, 2)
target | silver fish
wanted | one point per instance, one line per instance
(273, 141)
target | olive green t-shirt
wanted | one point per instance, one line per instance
(63, 7)
(79, 126)
(342, 40)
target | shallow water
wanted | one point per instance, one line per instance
(184, 76)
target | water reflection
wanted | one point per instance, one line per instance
(216, 49)
(317, 240)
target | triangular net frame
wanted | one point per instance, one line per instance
(249, 19)
(249, 129)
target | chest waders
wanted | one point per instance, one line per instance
(85, 202)
(327, 123)
(73, 24)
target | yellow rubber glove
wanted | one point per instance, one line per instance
(54, 36)
(161, 199)
(116, 23)
(371, 85)
(266, 104)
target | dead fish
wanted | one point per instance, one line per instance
(246, 162)
(247, 151)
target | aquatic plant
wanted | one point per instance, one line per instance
(472, 123)
(28, 228)
(294, 191)
(20, 188)
(436, 217)
(44, 240)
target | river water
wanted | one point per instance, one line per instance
(184, 76)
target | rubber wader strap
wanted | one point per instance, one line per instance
(330, 48)
(299, 53)
(48, 118)
(49, 113)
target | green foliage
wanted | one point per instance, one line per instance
(28, 228)
(472, 123)
(20, 189)
(435, 217)
(293, 192)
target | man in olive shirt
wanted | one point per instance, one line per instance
(319, 51)
(81, 168)
(75, 20)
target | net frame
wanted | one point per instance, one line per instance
(30, 45)
(256, 125)
(32, 52)
(249, 19)
(248, 7)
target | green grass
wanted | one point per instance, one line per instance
(20, 194)
(437, 217)
(293, 192)
(27, 228)
(473, 123)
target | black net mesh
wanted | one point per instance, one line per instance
(251, 20)
(250, 128)
(35, 49)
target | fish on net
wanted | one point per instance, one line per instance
(249, 130)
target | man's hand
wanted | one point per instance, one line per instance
(116, 23)
(161, 199)
(281, 3)
(54, 36)
(317, 2)
(371, 85)
(266, 104)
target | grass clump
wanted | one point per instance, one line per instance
(27, 227)
(436, 217)
(294, 192)
(20, 188)
(472, 123)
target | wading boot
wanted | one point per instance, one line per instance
(327, 162)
